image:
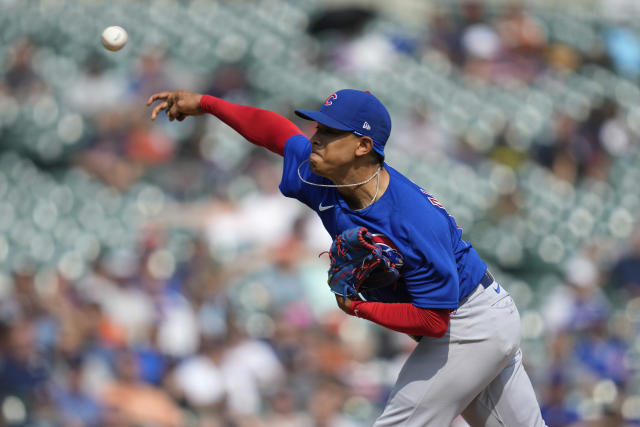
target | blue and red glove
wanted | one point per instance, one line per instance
(359, 265)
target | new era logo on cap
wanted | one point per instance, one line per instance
(354, 111)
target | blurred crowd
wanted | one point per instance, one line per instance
(237, 329)
(509, 48)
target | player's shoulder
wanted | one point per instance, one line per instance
(415, 208)
(408, 195)
(297, 145)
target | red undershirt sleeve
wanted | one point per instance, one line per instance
(404, 317)
(261, 127)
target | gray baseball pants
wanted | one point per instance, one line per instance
(474, 370)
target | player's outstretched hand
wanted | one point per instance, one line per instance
(178, 104)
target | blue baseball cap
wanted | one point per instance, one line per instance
(354, 111)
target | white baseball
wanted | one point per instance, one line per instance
(114, 37)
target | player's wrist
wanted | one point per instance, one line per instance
(353, 307)
(199, 104)
(210, 104)
(205, 103)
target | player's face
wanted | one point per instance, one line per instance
(332, 151)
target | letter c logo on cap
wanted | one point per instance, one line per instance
(330, 99)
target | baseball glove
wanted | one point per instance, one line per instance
(358, 265)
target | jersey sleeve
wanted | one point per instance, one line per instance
(261, 127)
(296, 154)
(430, 273)
(403, 317)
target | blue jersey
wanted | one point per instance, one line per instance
(438, 268)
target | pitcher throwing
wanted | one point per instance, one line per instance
(468, 359)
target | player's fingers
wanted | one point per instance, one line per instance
(173, 112)
(158, 109)
(156, 96)
(181, 117)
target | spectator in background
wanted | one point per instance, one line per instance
(580, 303)
(147, 147)
(283, 410)
(468, 14)
(592, 157)
(419, 125)
(325, 404)
(152, 71)
(624, 46)
(243, 226)
(104, 159)
(556, 411)
(229, 81)
(77, 407)
(482, 47)
(523, 40)
(198, 380)
(107, 89)
(559, 152)
(583, 350)
(443, 36)
(562, 58)
(625, 274)
(24, 374)
(128, 398)
(153, 363)
(602, 354)
(20, 77)
(521, 32)
(558, 378)
(613, 134)
(249, 367)
(128, 309)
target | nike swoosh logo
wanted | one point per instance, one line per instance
(497, 289)
(324, 208)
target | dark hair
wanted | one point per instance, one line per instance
(379, 158)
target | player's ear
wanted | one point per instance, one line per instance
(364, 147)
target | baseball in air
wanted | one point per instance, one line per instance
(114, 38)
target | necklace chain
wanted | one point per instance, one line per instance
(335, 185)
(377, 188)
(375, 175)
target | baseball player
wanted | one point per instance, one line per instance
(468, 359)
